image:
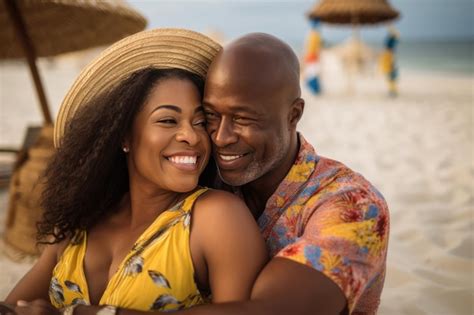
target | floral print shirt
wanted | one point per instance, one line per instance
(332, 219)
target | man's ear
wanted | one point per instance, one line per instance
(296, 111)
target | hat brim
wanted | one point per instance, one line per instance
(164, 48)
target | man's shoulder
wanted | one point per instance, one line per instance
(334, 178)
(320, 179)
(327, 170)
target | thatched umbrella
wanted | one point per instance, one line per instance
(36, 28)
(40, 28)
(353, 11)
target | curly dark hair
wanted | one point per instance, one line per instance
(87, 176)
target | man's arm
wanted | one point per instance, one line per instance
(343, 248)
(330, 268)
(283, 287)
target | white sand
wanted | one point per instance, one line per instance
(417, 149)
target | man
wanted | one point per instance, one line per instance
(326, 227)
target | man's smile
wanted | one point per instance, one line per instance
(229, 161)
(230, 157)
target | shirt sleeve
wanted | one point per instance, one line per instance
(345, 237)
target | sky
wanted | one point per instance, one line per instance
(421, 20)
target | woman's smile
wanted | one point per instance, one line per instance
(185, 161)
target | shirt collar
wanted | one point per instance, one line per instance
(294, 181)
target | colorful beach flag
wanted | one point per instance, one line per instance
(312, 69)
(388, 63)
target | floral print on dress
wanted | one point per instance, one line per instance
(134, 265)
(56, 292)
(157, 273)
(159, 279)
(162, 301)
(72, 286)
(326, 216)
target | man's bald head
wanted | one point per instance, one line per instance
(259, 59)
(252, 103)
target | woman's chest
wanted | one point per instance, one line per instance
(104, 255)
(154, 272)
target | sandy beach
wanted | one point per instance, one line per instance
(417, 149)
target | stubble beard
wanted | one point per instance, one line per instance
(257, 169)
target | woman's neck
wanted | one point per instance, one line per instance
(145, 203)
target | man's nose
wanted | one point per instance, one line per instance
(187, 134)
(224, 134)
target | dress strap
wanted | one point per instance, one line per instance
(189, 201)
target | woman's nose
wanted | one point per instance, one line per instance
(187, 134)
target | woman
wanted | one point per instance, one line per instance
(129, 226)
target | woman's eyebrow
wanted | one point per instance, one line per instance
(167, 106)
(175, 108)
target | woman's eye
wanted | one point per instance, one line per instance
(201, 123)
(166, 121)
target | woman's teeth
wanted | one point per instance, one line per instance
(183, 159)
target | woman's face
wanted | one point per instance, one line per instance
(169, 145)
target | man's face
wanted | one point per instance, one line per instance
(248, 126)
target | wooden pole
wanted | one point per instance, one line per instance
(30, 55)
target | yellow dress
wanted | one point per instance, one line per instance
(157, 274)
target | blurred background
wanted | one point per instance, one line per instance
(406, 125)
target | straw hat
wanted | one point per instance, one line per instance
(59, 26)
(353, 11)
(160, 48)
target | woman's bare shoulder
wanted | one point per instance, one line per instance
(229, 239)
(216, 201)
(218, 210)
